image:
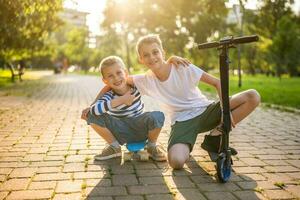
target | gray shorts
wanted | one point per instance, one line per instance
(129, 129)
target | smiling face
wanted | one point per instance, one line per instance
(151, 55)
(115, 76)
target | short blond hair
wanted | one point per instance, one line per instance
(109, 61)
(148, 39)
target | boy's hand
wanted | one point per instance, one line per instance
(177, 61)
(84, 113)
(128, 98)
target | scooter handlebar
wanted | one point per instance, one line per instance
(208, 45)
(245, 39)
(228, 41)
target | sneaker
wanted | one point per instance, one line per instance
(157, 153)
(109, 152)
(213, 143)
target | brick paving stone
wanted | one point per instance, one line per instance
(253, 162)
(30, 194)
(73, 196)
(203, 179)
(295, 163)
(124, 179)
(3, 195)
(34, 157)
(254, 177)
(2, 178)
(74, 167)
(281, 169)
(123, 169)
(159, 196)
(22, 172)
(52, 177)
(217, 187)
(42, 185)
(106, 191)
(6, 171)
(68, 186)
(42, 170)
(179, 182)
(151, 180)
(148, 172)
(247, 185)
(220, 196)
(249, 170)
(249, 195)
(86, 175)
(98, 182)
(98, 198)
(14, 184)
(130, 197)
(150, 189)
(278, 194)
(189, 194)
(279, 177)
(294, 190)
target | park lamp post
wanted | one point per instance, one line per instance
(238, 11)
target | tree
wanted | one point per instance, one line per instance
(25, 25)
(180, 23)
(76, 48)
(270, 23)
(285, 47)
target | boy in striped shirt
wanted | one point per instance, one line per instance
(118, 115)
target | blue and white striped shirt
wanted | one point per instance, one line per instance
(103, 105)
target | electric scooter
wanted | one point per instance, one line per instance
(223, 158)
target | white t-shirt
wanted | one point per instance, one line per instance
(179, 95)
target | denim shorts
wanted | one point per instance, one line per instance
(186, 132)
(129, 129)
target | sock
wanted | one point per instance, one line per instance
(115, 144)
(151, 144)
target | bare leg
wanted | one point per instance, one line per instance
(104, 133)
(242, 104)
(178, 154)
(153, 135)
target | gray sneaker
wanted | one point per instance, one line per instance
(157, 153)
(109, 152)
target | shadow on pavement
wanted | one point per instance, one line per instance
(156, 180)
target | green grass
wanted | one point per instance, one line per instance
(32, 82)
(284, 92)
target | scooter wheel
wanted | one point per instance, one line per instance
(223, 169)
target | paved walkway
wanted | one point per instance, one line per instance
(47, 153)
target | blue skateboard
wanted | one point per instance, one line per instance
(135, 151)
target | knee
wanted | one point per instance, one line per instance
(254, 97)
(158, 116)
(97, 127)
(176, 162)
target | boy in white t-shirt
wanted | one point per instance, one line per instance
(190, 111)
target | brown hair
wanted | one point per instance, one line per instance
(148, 39)
(109, 61)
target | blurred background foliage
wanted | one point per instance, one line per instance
(34, 32)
